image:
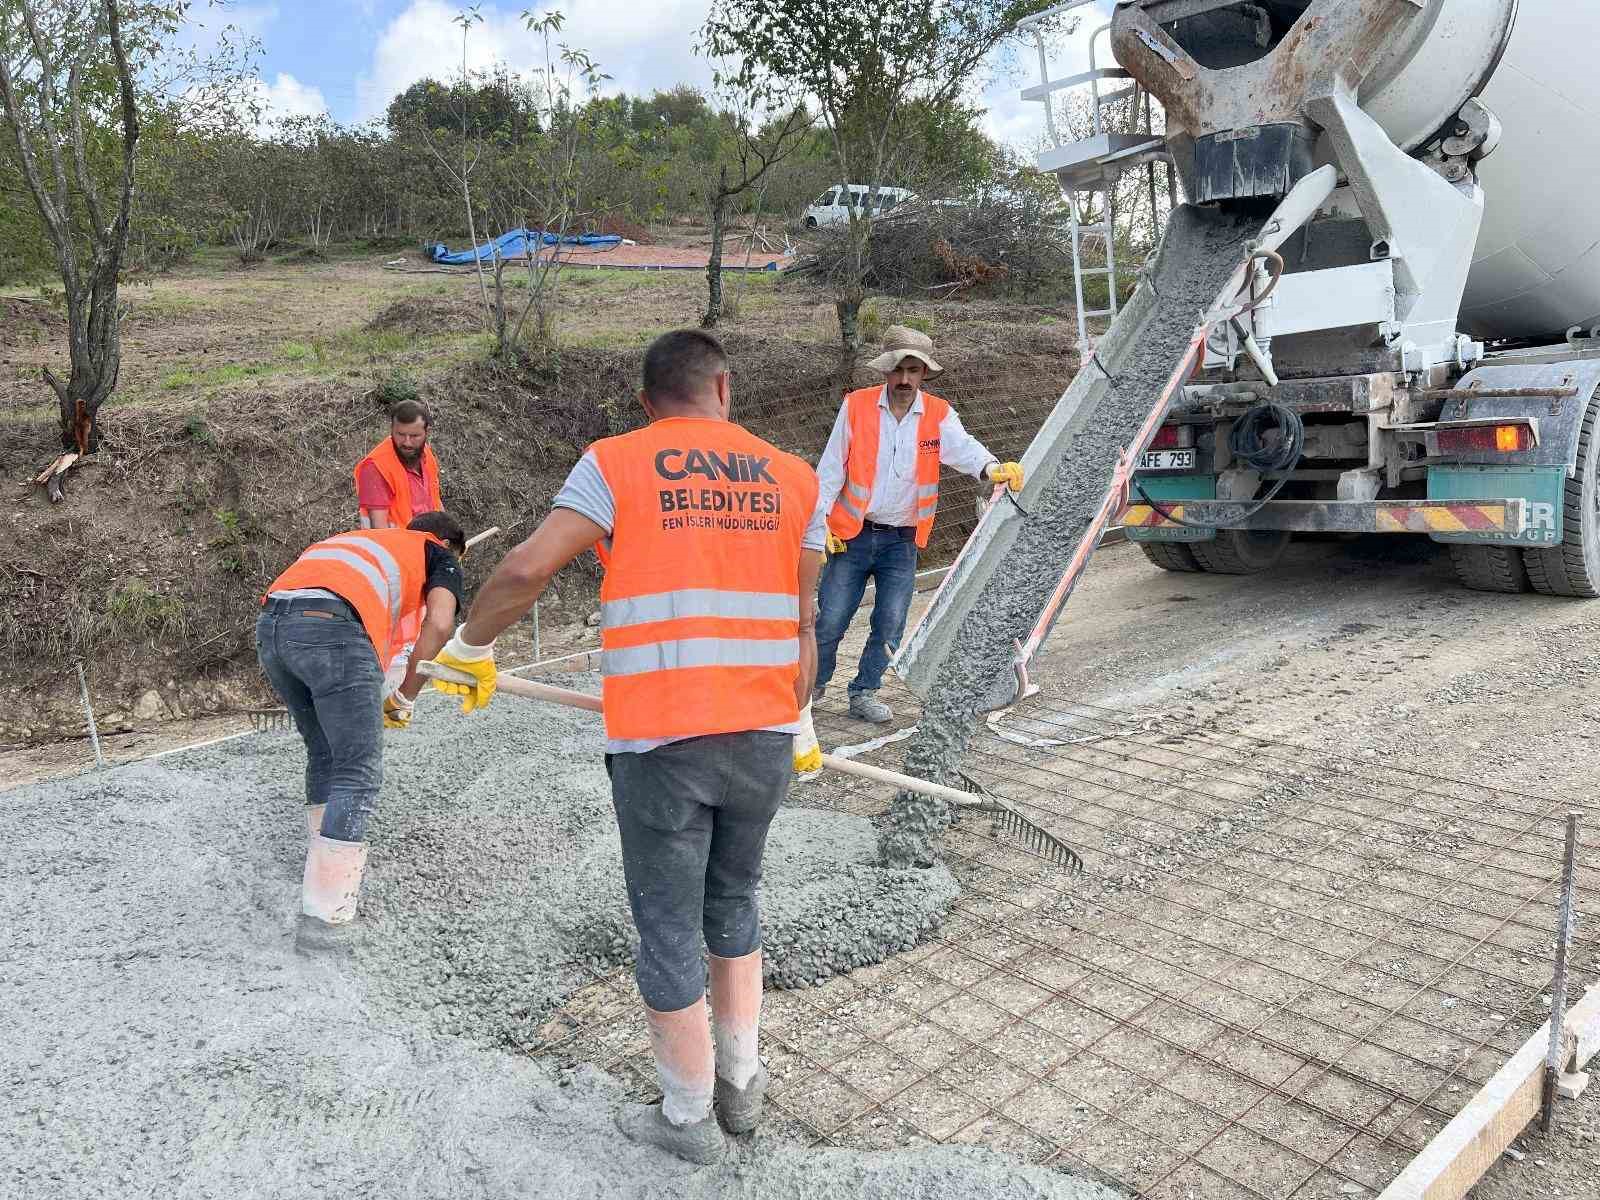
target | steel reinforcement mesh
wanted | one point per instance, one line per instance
(1282, 971)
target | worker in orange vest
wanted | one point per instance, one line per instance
(711, 552)
(399, 477)
(879, 489)
(396, 481)
(324, 638)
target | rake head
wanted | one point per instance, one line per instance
(270, 720)
(1039, 841)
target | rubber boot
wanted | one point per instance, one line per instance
(682, 1123)
(314, 819)
(328, 893)
(735, 1026)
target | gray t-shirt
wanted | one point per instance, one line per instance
(587, 493)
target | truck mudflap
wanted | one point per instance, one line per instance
(1487, 519)
(1540, 488)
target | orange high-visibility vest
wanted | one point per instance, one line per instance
(700, 605)
(861, 464)
(387, 460)
(379, 571)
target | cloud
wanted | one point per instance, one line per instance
(1020, 124)
(284, 97)
(651, 47)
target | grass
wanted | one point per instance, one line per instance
(135, 608)
(215, 377)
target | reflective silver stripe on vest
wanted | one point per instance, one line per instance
(844, 503)
(391, 569)
(700, 602)
(700, 652)
(367, 570)
(861, 492)
(927, 490)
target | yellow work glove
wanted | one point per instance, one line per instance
(836, 544)
(1008, 473)
(477, 661)
(807, 753)
(397, 711)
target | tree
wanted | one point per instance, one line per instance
(753, 152)
(73, 75)
(49, 53)
(494, 107)
(542, 191)
(866, 66)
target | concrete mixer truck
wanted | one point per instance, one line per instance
(1424, 342)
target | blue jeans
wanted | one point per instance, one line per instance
(326, 673)
(889, 559)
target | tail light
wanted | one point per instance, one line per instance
(1486, 439)
(1172, 437)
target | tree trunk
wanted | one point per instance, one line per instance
(719, 216)
(848, 307)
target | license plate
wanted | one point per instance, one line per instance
(1166, 460)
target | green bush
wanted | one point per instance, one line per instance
(395, 387)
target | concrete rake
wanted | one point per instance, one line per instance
(1036, 839)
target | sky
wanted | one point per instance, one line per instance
(350, 57)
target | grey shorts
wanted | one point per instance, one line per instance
(694, 817)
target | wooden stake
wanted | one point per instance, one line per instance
(1463, 1150)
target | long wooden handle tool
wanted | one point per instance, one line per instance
(1039, 840)
(482, 537)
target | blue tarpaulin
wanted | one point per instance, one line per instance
(515, 244)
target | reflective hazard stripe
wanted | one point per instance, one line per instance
(861, 493)
(369, 572)
(699, 602)
(700, 652)
(844, 503)
(386, 561)
(928, 491)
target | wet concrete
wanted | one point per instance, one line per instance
(164, 1038)
(970, 654)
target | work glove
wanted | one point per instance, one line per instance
(397, 711)
(807, 753)
(1008, 473)
(836, 544)
(477, 661)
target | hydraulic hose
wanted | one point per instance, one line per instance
(1251, 447)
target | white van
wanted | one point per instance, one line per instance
(833, 206)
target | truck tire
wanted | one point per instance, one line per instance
(1573, 567)
(1170, 556)
(1490, 568)
(1241, 551)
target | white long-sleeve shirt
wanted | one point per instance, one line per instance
(894, 485)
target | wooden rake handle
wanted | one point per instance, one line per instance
(529, 690)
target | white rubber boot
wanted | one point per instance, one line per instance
(332, 879)
(314, 819)
(735, 1030)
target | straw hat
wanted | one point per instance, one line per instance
(899, 343)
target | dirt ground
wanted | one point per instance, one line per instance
(247, 394)
(1367, 649)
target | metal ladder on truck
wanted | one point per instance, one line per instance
(1088, 168)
